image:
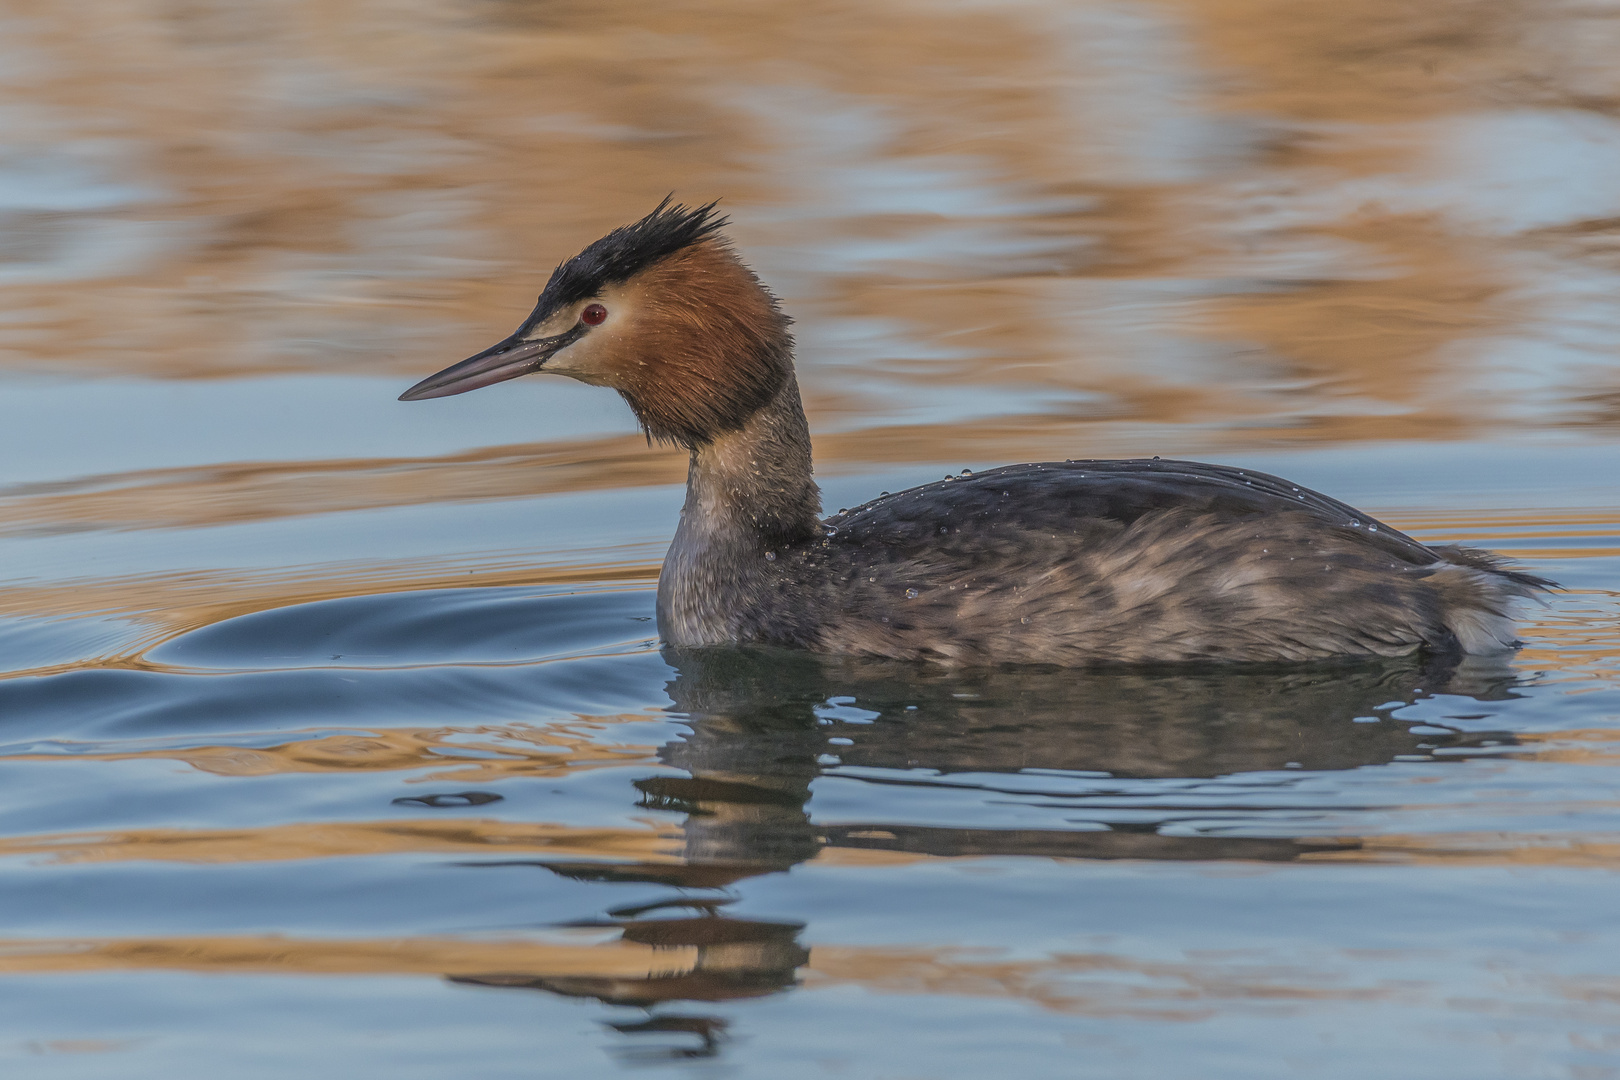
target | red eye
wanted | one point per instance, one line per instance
(593, 315)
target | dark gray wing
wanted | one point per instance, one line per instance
(1074, 498)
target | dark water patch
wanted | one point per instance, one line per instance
(450, 800)
(735, 958)
(789, 754)
(445, 626)
(1123, 724)
(138, 704)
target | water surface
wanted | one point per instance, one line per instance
(335, 736)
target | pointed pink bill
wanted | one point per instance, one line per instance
(505, 360)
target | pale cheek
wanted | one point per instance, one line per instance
(576, 367)
(605, 356)
(585, 361)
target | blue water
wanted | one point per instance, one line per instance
(335, 734)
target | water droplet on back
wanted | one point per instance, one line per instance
(911, 594)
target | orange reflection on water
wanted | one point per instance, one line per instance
(1571, 849)
(1096, 984)
(334, 839)
(1579, 640)
(488, 753)
(1587, 746)
(325, 187)
(629, 971)
(233, 493)
(387, 956)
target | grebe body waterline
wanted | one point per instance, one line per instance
(1068, 563)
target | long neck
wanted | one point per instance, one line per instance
(749, 494)
(754, 485)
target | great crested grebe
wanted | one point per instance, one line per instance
(1068, 563)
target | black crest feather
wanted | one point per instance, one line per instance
(627, 251)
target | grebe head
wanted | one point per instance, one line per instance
(662, 311)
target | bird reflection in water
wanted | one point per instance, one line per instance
(760, 727)
(734, 958)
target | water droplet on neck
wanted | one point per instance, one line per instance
(770, 556)
(911, 594)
